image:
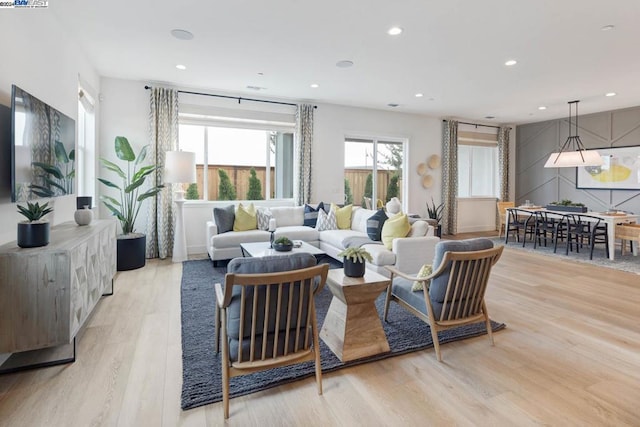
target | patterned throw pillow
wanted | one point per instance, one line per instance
(311, 214)
(263, 216)
(326, 222)
(375, 223)
(245, 218)
(425, 271)
(224, 218)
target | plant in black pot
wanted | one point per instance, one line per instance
(354, 261)
(131, 245)
(435, 212)
(34, 232)
(283, 244)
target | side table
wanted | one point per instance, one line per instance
(352, 328)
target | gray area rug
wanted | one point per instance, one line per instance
(628, 262)
(201, 367)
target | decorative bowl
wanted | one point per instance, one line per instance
(281, 247)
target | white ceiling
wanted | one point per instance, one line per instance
(453, 51)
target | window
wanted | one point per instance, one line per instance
(477, 165)
(373, 164)
(237, 163)
(86, 150)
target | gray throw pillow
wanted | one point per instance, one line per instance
(224, 218)
(375, 223)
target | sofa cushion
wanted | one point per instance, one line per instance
(245, 218)
(375, 223)
(343, 216)
(380, 255)
(336, 237)
(418, 229)
(224, 218)
(263, 216)
(298, 232)
(311, 214)
(288, 215)
(233, 240)
(359, 219)
(326, 221)
(395, 227)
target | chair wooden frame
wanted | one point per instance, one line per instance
(502, 214)
(468, 278)
(311, 278)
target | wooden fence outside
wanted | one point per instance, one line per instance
(239, 177)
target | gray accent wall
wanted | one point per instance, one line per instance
(535, 141)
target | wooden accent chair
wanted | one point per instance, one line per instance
(268, 315)
(453, 295)
(502, 214)
(630, 232)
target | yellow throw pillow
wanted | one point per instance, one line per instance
(396, 226)
(343, 216)
(425, 271)
(245, 218)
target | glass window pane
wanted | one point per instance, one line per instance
(358, 166)
(389, 162)
(464, 171)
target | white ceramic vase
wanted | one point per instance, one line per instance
(83, 216)
(394, 206)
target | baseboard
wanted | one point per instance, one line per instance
(476, 229)
(196, 250)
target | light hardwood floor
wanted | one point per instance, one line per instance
(570, 356)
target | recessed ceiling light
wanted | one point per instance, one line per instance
(394, 31)
(608, 27)
(314, 85)
(490, 117)
(542, 107)
(419, 95)
(392, 105)
(255, 87)
(261, 74)
(345, 63)
(511, 63)
(610, 94)
(181, 67)
(182, 34)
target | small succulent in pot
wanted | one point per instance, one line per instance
(34, 211)
(354, 261)
(283, 244)
(34, 232)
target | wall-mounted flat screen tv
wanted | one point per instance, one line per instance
(43, 149)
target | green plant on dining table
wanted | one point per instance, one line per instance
(566, 202)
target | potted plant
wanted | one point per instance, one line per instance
(131, 245)
(283, 244)
(435, 212)
(354, 261)
(34, 232)
(567, 205)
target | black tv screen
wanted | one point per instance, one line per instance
(43, 149)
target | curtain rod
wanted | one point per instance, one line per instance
(477, 124)
(240, 99)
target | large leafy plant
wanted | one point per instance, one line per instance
(126, 209)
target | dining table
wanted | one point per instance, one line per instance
(609, 218)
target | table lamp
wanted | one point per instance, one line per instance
(179, 168)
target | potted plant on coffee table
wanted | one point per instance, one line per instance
(131, 245)
(354, 261)
(34, 232)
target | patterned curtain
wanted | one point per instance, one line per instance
(449, 176)
(503, 167)
(302, 150)
(163, 124)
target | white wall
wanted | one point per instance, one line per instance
(38, 56)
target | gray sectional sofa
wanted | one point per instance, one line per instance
(408, 253)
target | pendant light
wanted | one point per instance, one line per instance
(579, 156)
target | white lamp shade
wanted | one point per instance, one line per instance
(180, 167)
(572, 159)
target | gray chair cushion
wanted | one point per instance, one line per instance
(269, 264)
(224, 218)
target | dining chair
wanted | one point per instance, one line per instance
(453, 295)
(586, 229)
(547, 227)
(502, 214)
(268, 316)
(519, 222)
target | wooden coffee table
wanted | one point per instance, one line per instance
(352, 327)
